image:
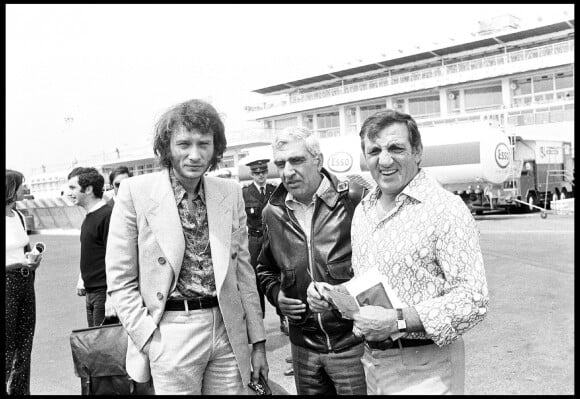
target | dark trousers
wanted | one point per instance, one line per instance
(95, 303)
(20, 320)
(254, 246)
(331, 373)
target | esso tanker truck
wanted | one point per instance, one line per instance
(543, 172)
(472, 160)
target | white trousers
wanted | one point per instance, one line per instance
(190, 354)
(418, 370)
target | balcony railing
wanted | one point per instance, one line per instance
(435, 72)
(562, 111)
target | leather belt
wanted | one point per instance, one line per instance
(255, 232)
(192, 304)
(390, 344)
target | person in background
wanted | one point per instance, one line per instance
(256, 196)
(307, 237)
(20, 311)
(178, 266)
(425, 242)
(86, 190)
(118, 174)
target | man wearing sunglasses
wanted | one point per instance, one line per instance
(307, 238)
(118, 174)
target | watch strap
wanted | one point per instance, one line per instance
(401, 323)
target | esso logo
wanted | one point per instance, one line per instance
(340, 162)
(502, 155)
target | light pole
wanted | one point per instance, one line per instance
(68, 121)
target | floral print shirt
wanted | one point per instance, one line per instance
(196, 278)
(427, 247)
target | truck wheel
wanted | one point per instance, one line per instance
(531, 201)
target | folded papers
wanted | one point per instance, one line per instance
(369, 288)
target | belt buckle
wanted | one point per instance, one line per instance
(25, 271)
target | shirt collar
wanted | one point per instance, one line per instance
(98, 205)
(258, 187)
(324, 185)
(415, 189)
(179, 191)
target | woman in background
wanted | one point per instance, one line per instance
(20, 301)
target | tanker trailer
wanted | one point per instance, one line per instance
(472, 160)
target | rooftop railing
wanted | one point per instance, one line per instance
(433, 73)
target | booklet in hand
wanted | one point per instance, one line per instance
(371, 288)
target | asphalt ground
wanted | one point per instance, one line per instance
(524, 346)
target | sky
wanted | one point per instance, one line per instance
(85, 79)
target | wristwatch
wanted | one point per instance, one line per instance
(401, 323)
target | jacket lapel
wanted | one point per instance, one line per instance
(161, 213)
(219, 216)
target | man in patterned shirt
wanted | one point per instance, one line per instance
(425, 242)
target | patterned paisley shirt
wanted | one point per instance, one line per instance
(427, 247)
(196, 277)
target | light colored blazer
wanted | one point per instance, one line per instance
(145, 249)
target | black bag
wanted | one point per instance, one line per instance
(99, 359)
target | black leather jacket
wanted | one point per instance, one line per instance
(284, 258)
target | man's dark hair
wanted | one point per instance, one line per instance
(192, 114)
(89, 177)
(14, 180)
(382, 119)
(119, 170)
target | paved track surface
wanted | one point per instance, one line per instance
(524, 346)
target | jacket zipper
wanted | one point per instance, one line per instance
(310, 263)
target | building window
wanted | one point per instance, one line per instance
(328, 124)
(424, 106)
(564, 80)
(543, 83)
(350, 120)
(482, 98)
(521, 87)
(542, 89)
(284, 123)
(368, 110)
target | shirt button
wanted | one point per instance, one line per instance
(161, 260)
(159, 296)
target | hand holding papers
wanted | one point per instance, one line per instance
(342, 300)
(372, 288)
(369, 289)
